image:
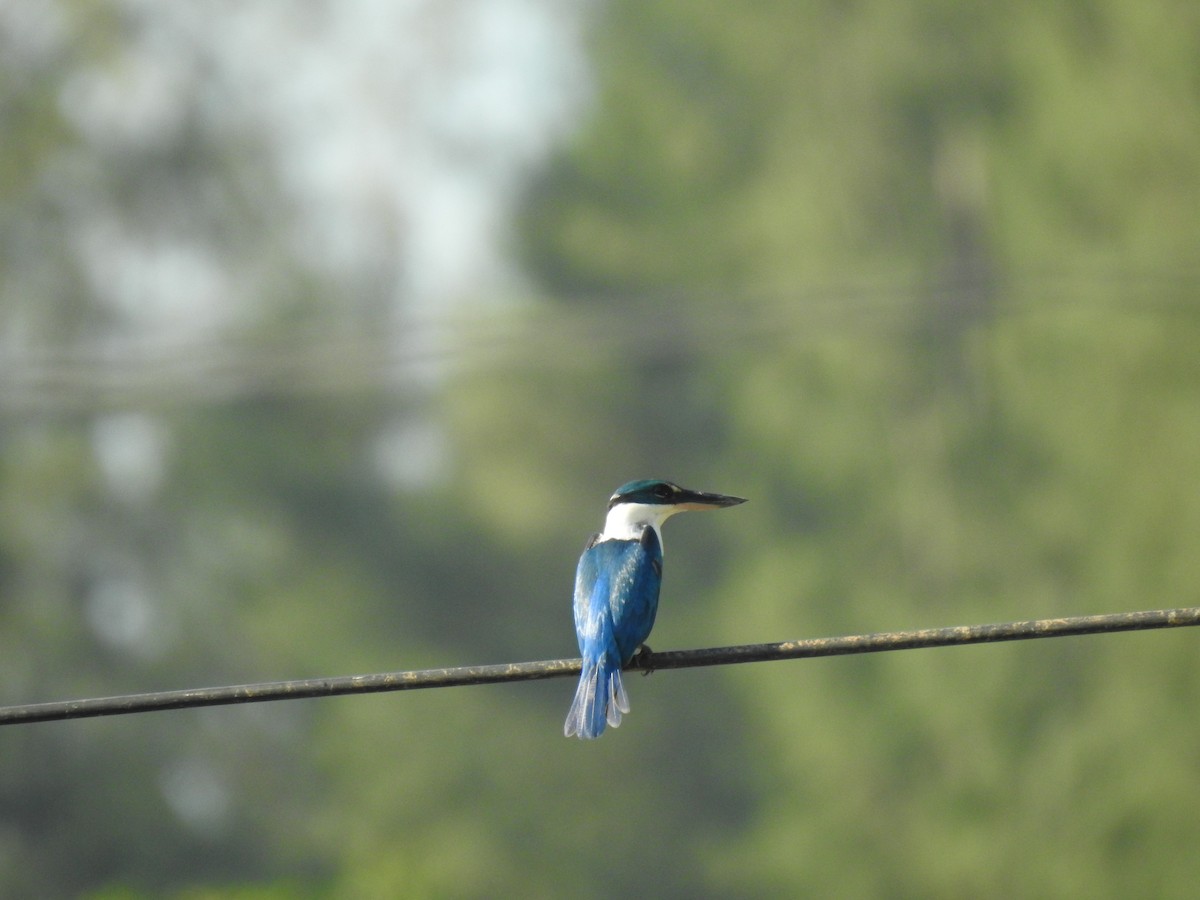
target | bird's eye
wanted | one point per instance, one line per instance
(662, 492)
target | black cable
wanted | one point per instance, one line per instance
(557, 668)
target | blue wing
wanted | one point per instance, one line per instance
(616, 599)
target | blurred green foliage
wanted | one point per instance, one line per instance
(917, 280)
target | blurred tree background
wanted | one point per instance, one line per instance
(327, 329)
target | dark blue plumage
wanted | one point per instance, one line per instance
(616, 598)
(616, 595)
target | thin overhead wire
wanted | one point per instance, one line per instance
(558, 668)
(414, 352)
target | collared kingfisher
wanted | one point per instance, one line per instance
(616, 594)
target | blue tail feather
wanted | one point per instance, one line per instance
(599, 700)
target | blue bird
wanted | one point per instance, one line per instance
(616, 594)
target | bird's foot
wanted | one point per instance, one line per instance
(644, 659)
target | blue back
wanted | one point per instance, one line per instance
(616, 594)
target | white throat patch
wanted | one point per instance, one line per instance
(625, 521)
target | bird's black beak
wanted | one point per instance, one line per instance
(704, 500)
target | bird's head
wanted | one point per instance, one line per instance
(651, 502)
